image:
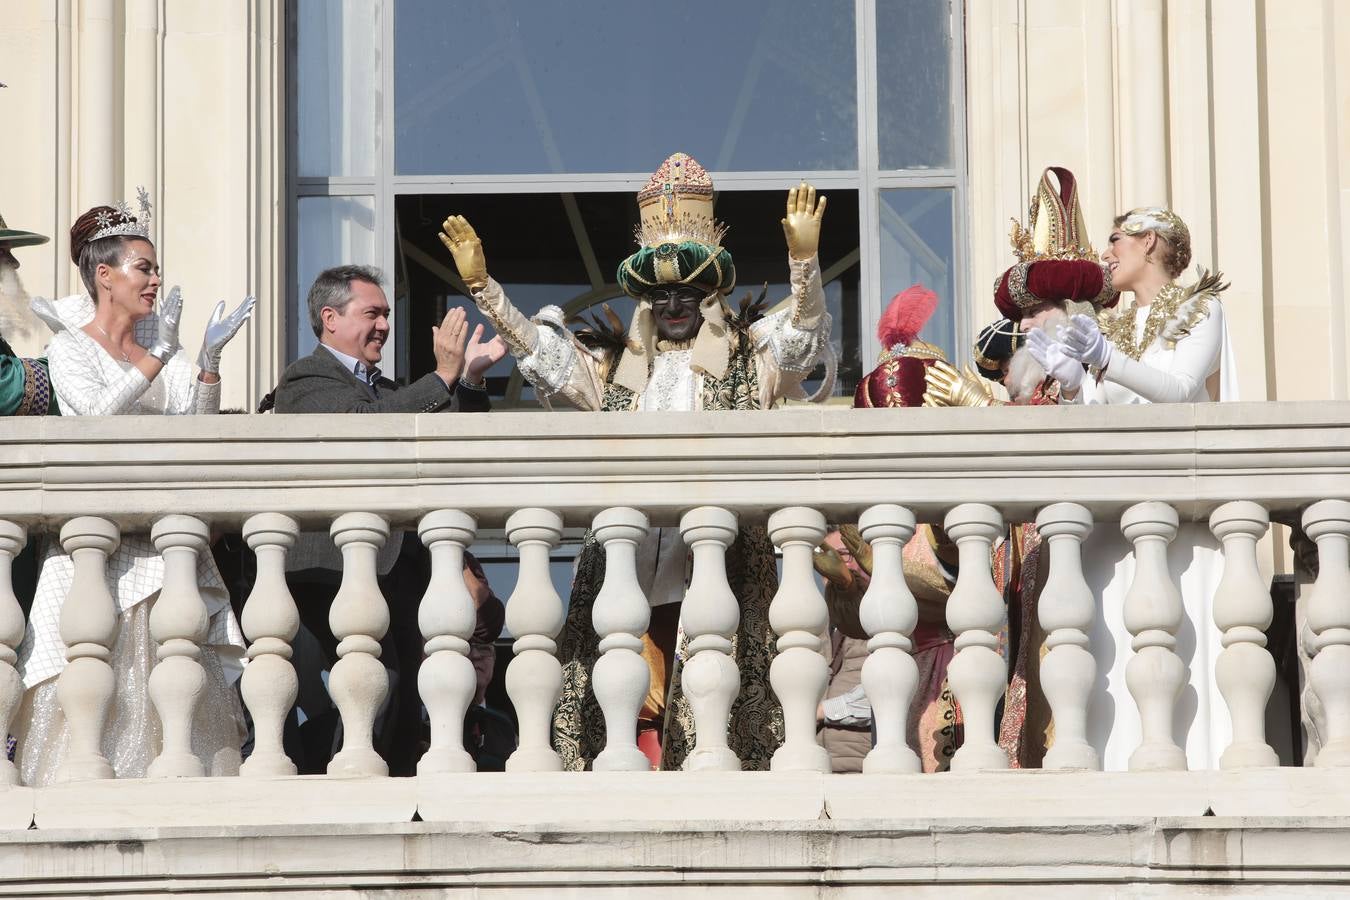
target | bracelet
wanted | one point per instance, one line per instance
(473, 387)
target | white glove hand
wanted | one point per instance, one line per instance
(1054, 358)
(1085, 342)
(219, 330)
(170, 313)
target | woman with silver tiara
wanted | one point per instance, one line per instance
(1170, 345)
(684, 351)
(115, 353)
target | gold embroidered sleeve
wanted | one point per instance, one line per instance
(519, 332)
(551, 361)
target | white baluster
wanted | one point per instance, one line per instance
(88, 628)
(1242, 611)
(1153, 613)
(270, 622)
(359, 617)
(1065, 611)
(798, 615)
(888, 613)
(178, 624)
(975, 612)
(13, 536)
(620, 615)
(710, 616)
(447, 680)
(534, 614)
(1328, 523)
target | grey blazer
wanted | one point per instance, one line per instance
(319, 383)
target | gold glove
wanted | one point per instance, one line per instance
(801, 225)
(832, 567)
(462, 241)
(949, 387)
(861, 550)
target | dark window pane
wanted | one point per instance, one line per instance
(535, 251)
(618, 85)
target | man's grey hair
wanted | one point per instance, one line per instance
(333, 288)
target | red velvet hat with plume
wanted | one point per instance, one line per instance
(898, 379)
(1056, 261)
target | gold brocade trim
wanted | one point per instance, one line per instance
(1017, 287)
(1119, 328)
(29, 388)
(667, 267)
(502, 327)
(806, 269)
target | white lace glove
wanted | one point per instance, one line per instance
(170, 313)
(219, 329)
(1086, 343)
(1055, 359)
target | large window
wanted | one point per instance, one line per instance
(539, 121)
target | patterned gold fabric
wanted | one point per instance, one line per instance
(1019, 571)
(756, 717)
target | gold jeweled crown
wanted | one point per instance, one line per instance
(677, 205)
(1055, 228)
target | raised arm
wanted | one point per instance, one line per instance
(550, 359)
(792, 340)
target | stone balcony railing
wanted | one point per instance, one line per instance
(1229, 466)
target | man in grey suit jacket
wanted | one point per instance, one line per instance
(350, 316)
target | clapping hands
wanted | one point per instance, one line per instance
(481, 355)
(220, 329)
(1055, 359)
(1084, 341)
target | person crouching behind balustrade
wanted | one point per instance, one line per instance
(932, 725)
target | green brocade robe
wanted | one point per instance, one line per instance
(25, 386)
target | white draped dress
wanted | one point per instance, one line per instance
(90, 382)
(1198, 369)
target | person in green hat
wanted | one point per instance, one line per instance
(685, 350)
(25, 388)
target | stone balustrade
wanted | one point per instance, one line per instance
(1141, 472)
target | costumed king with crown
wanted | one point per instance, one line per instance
(684, 351)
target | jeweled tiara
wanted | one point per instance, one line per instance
(121, 223)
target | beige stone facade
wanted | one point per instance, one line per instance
(182, 97)
(1236, 113)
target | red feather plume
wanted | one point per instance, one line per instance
(908, 312)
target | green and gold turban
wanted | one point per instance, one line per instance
(708, 268)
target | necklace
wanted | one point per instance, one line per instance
(1119, 329)
(108, 337)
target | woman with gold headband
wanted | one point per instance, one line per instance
(1169, 346)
